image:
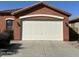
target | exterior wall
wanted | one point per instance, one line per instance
(16, 28)
(15, 25)
(66, 29)
(3, 22)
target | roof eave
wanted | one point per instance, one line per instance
(74, 20)
(61, 11)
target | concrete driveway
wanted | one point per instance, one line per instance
(36, 48)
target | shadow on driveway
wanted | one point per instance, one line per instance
(11, 49)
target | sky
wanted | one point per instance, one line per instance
(68, 6)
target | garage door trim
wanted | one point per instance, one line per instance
(47, 15)
(26, 17)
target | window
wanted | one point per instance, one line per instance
(9, 24)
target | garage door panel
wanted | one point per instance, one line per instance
(42, 30)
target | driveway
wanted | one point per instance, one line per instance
(36, 48)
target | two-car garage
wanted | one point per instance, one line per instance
(41, 22)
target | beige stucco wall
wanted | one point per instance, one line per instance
(75, 26)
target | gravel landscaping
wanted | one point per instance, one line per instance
(74, 44)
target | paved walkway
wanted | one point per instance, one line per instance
(45, 49)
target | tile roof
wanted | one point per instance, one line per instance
(10, 10)
(42, 4)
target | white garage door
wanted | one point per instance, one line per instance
(42, 30)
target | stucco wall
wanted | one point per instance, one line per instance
(75, 26)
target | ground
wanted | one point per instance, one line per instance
(36, 48)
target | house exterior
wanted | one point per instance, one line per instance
(74, 29)
(74, 24)
(37, 22)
